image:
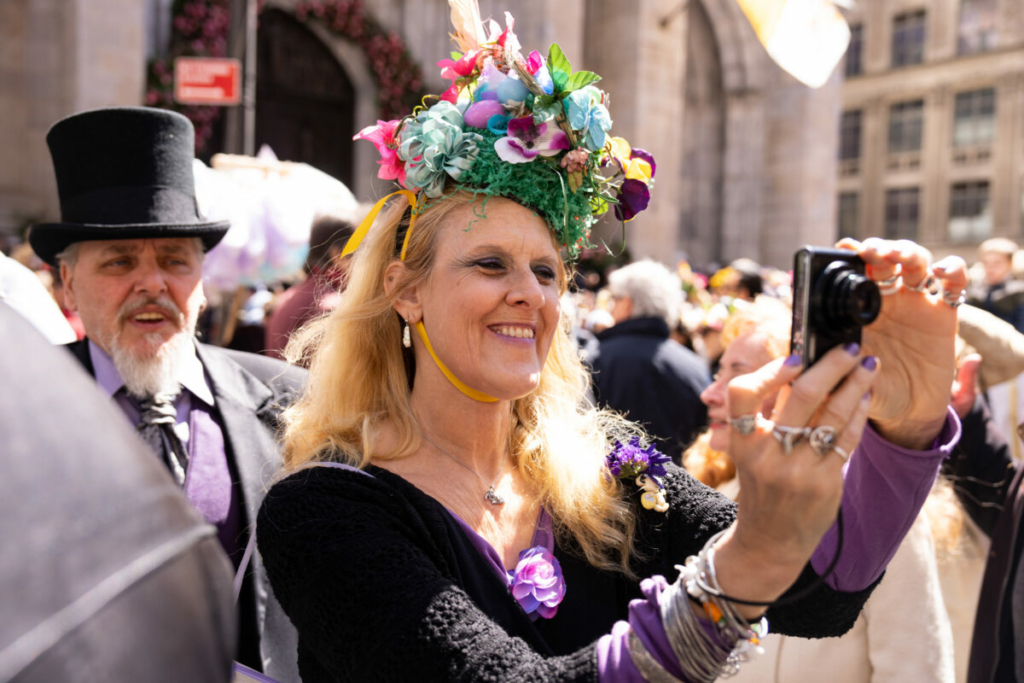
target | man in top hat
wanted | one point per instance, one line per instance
(130, 248)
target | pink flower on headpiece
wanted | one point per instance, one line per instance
(526, 140)
(454, 70)
(383, 138)
(508, 39)
(534, 62)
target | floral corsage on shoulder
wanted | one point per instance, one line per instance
(645, 466)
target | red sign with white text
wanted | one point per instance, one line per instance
(206, 80)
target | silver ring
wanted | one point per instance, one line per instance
(842, 454)
(744, 424)
(823, 439)
(790, 437)
(926, 285)
(954, 299)
(889, 285)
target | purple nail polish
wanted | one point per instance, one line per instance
(852, 348)
(870, 362)
(793, 361)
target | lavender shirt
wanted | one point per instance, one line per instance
(884, 488)
(208, 479)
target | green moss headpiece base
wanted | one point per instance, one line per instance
(539, 185)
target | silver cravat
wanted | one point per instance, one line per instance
(157, 417)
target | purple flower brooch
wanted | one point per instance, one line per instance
(644, 465)
(537, 583)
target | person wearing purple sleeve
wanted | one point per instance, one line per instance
(443, 428)
(130, 248)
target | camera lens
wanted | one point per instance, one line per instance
(848, 299)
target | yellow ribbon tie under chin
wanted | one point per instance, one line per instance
(461, 386)
(357, 237)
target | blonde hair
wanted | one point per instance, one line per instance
(360, 378)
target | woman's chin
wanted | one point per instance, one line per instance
(510, 388)
(719, 442)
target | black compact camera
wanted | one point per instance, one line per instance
(832, 300)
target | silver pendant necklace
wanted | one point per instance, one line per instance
(491, 496)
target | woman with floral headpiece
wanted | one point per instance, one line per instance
(451, 511)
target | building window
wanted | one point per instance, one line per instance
(905, 122)
(848, 214)
(849, 135)
(974, 118)
(976, 31)
(901, 213)
(970, 217)
(854, 53)
(908, 39)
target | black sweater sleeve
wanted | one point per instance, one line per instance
(371, 596)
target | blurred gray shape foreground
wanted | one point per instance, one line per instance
(106, 572)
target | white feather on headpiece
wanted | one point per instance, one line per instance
(469, 29)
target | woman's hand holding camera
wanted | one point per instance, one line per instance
(914, 336)
(790, 492)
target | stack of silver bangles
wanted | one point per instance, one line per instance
(703, 655)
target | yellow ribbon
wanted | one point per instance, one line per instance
(357, 239)
(468, 391)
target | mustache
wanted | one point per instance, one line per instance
(169, 308)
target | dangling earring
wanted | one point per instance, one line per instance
(406, 336)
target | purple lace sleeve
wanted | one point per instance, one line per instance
(885, 487)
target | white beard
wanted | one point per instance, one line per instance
(148, 376)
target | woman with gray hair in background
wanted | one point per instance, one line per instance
(638, 370)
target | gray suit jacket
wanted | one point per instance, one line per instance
(250, 391)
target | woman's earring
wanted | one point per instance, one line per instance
(406, 336)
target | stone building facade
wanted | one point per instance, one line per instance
(58, 57)
(932, 130)
(746, 154)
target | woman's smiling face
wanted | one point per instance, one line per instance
(490, 305)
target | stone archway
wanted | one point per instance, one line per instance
(742, 69)
(305, 100)
(701, 181)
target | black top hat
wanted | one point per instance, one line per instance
(123, 173)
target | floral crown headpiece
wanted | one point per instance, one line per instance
(525, 128)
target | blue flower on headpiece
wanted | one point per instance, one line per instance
(437, 147)
(587, 115)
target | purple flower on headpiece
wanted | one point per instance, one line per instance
(527, 139)
(634, 196)
(630, 460)
(537, 584)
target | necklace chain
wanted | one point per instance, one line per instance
(491, 496)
